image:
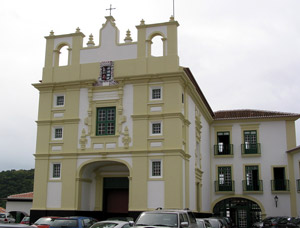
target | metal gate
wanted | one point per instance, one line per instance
(243, 212)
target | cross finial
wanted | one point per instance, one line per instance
(110, 9)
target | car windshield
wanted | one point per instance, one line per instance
(158, 219)
(65, 223)
(44, 221)
(104, 225)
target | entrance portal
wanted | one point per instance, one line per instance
(104, 187)
(243, 212)
(115, 195)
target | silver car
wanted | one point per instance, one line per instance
(7, 218)
(167, 219)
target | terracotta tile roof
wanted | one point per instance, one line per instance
(28, 195)
(251, 114)
(2, 210)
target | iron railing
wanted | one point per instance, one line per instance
(280, 185)
(252, 185)
(251, 148)
(224, 186)
(223, 149)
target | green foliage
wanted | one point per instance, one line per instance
(15, 182)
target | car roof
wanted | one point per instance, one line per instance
(168, 211)
(113, 221)
(74, 217)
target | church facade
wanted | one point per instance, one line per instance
(121, 131)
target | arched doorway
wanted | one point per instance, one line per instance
(243, 212)
(104, 187)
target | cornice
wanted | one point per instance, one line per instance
(61, 121)
(72, 84)
(160, 115)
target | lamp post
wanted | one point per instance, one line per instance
(276, 200)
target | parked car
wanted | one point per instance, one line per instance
(167, 218)
(126, 219)
(223, 221)
(282, 223)
(273, 222)
(7, 218)
(25, 220)
(215, 223)
(73, 222)
(203, 223)
(44, 222)
(111, 224)
(294, 223)
(261, 223)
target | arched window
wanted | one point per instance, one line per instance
(157, 46)
(63, 56)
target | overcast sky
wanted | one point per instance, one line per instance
(243, 54)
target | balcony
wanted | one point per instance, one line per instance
(252, 186)
(226, 186)
(251, 148)
(223, 149)
(280, 185)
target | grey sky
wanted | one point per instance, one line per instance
(243, 53)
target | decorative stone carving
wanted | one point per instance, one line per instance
(83, 139)
(126, 139)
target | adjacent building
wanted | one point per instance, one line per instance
(121, 131)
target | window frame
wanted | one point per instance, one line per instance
(52, 171)
(248, 182)
(55, 100)
(55, 128)
(151, 94)
(223, 184)
(106, 122)
(151, 168)
(152, 123)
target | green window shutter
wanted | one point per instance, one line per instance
(106, 121)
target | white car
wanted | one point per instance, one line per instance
(7, 218)
(167, 219)
(111, 224)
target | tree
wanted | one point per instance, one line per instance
(15, 182)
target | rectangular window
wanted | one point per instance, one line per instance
(56, 170)
(252, 182)
(156, 128)
(58, 133)
(60, 101)
(250, 145)
(223, 147)
(156, 94)
(280, 183)
(250, 138)
(225, 182)
(156, 168)
(106, 121)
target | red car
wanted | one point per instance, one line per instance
(25, 220)
(44, 222)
